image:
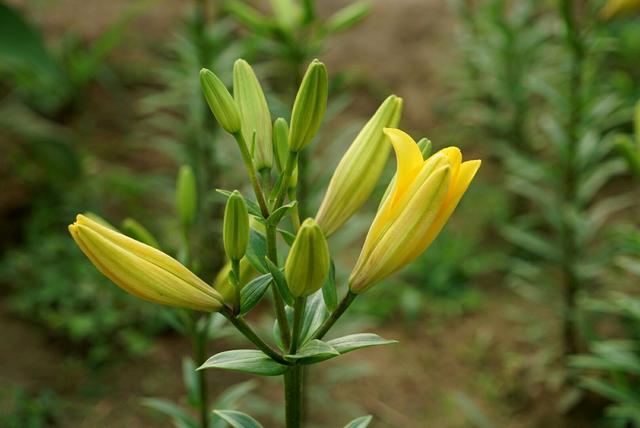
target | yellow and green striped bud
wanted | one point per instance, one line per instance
(309, 106)
(186, 196)
(235, 233)
(142, 270)
(254, 112)
(220, 101)
(359, 169)
(307, 264)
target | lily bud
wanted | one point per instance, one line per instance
(142, 270)
(235, 233)
(254, 112)
(223, 284)
(309, 106)
(425, 147)
(186, 195)
(424, 195)
(359, 169)
(281, 142)
(348, 17)
(220, 101)
(307, 264)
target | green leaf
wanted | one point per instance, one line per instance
(280, 281)
(314, 351)
(252, 206)
(361, 422)
(277, 215)
(257, 251)
(180, 417)
(314, 315)
(246, 361)
(253, 291)
(238, 419)
(329, 292)
(191, 382)
(356, 341)
(231, 395)
(287, 236)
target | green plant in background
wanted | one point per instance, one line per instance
(420, 199)
(20, 409)
(629, 145)
(285, 41)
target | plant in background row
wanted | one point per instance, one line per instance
(418, 203)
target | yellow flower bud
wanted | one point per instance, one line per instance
(359, 169)
(235, 233)
(220, 101)
(309, 106)
(186, 195)
(142, 270)
(223, 284)
(410, 217)
(254, 112)
(307, 264)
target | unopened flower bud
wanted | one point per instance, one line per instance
(220, 101)
(359, 169)
(281, 142)
(142, 270)
(308, 262)
(309, 106)
(186, 195)
(254, 112)
(235, 232)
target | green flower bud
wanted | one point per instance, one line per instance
(359, 169)
(308, 262)
(220, 101)
(134, 229)
(425, 147)
(347, 17)
(281, 142)
(309, 106)
(235, 233)
(186, 196)
(254, 112)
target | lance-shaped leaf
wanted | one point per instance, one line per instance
(329, 292)
(252, 293)
(257, 251)
(361, 422)
(180, 417)
(280, 281)
(238, 419)
(314, 315)
(314, 351)
(246, 361)
(357, 341)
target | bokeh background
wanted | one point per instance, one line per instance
(524, 313)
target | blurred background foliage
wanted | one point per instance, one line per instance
(526, 310)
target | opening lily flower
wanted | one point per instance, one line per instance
(142, 270)
(413, 213)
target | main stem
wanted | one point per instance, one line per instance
(569, 247)
(281, 315)
(253, 176)
(293, 396)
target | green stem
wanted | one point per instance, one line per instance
(295, 212)
(281, 315)
(251, 170)
(292, 161)
(235, 274)
(293, 396)
(246, 330)
(299, 306)
(342, 307)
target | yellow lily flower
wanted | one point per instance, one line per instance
(411, 216)
(142, 270)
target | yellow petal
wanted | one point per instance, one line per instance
(467, 172)
(409, 161)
